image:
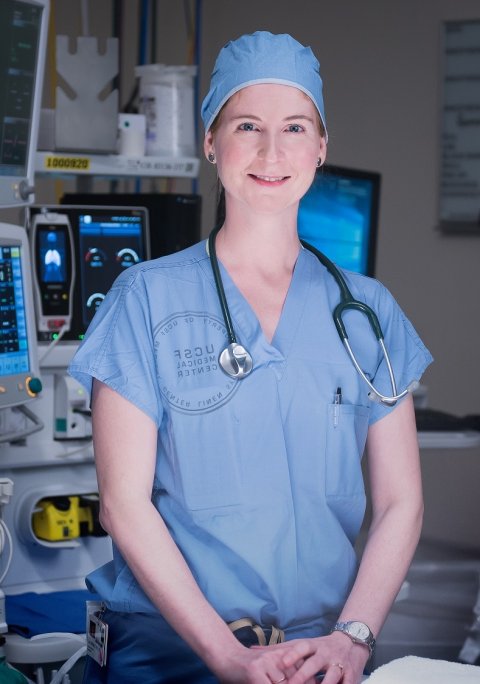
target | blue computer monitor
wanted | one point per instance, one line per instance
(18, 348)
(339, 216)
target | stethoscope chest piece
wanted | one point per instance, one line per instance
(236, 361)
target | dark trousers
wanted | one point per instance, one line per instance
(143, 649)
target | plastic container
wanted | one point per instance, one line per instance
(167, 101)
(41, 656)
(132, 131)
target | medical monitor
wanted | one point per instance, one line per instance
(175, 217)
(23, 42)
(339, 216)
(18, 347)
(106, 241)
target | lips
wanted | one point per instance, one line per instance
(268, 179)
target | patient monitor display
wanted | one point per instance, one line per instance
(23, 38)
(77, 257)
(54, 270)
(108, 244)
(18, 382)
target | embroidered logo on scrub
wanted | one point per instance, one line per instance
(187, 347)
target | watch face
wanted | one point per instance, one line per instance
(359, 630)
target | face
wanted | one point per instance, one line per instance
(267, 143)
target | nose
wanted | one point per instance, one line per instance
(270, 148)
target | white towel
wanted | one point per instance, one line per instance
(415, 670)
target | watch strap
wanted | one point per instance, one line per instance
(368, 641)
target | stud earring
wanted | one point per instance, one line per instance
(211, 158)
(319, 162)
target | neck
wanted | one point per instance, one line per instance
(265, 242)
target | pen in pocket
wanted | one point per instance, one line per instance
(337, 400)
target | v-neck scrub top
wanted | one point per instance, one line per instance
(259, 480)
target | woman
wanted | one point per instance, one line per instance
(241, 497)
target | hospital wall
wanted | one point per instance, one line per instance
(381, 64)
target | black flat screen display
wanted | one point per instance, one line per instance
(107, 240)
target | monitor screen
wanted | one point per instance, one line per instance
(53, 255)
(176, 216)
(106, 241)
(23, 37)
(18, 362)
(339, 216)
(13, 332)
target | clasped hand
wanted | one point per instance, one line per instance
(335, 656)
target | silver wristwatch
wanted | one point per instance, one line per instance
(358, 632)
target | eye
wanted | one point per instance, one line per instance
(295, 128)
(247, 127)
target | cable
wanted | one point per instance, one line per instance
(142, 55)
(6, 532)
(83, 412)
(189, 29)
(53, 343)
(143, 43)
(197, 52)
(85, 18)
(84, 447)
(21, 434)
(67, 666)
(117, 16)
(153, 32)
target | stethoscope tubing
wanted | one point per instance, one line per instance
(217, 276)
(347, 301)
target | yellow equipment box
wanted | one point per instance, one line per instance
(58, 518)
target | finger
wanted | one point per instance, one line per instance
(304, 674)
(290, 671)
(299, 651)
(277, 678)
(284, 646)
(334, 673)
(312, 671)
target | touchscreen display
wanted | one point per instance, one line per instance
(108, 245)
(14, 356)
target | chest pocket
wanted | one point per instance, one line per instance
(347, 428)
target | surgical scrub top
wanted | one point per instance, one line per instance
(259, 480)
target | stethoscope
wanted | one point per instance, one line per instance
(236, 361)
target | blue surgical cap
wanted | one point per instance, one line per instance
(262, 57)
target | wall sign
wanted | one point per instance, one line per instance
(460, 160)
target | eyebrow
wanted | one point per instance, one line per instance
(303, 117)
(294, 117)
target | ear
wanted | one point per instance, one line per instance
(322, 151)
(208, 146)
